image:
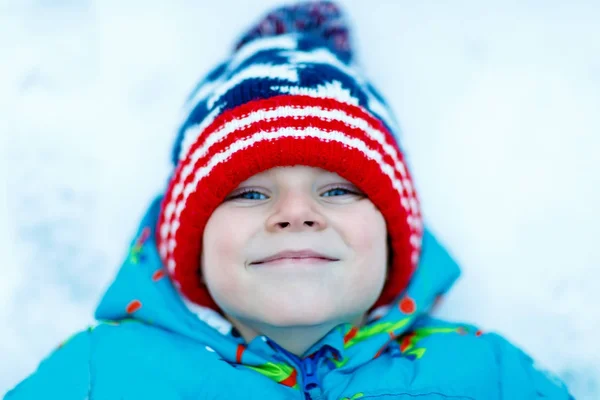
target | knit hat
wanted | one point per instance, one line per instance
(290, 94)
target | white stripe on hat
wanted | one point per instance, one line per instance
(329, 90)
(191, 133)
(279, 42)
(202, 93)
(283, 72)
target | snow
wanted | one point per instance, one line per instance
(498, 104)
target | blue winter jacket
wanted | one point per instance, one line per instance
(149, 344)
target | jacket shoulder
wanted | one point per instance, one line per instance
(515, 374)
(64, 374)
(519, 373)
(106, 361)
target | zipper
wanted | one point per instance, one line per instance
(308, 370)
(310, 379)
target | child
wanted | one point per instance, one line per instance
(287, 258)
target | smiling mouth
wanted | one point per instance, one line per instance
(307, 257)
(296, 260)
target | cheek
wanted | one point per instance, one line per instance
(366, 233)
(223, 244)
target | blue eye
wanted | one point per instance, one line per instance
(337, 192)
(249, 195)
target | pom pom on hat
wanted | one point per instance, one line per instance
(323, 20)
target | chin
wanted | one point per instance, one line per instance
(298, 314)
(298, 321)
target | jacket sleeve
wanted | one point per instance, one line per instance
(520, 377)
(65, 374)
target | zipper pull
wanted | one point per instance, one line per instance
(310, 380)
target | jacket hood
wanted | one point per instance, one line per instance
(143, 292)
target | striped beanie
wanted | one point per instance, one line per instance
(289, 94)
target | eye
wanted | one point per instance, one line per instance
(248, 194)
(340, 191)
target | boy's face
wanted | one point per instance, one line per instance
(327, 238)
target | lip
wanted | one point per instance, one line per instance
(300, 255)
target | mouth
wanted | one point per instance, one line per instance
(296, 257)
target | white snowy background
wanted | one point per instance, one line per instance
(499, 104)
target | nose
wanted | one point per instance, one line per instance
(296, 212)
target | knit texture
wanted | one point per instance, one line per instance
(289, 95)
